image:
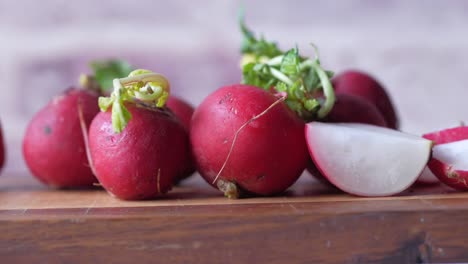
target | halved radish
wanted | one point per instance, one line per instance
(449, 156)
(367, 160)
(450, 164)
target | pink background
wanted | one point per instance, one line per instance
(418, 49)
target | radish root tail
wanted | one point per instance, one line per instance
(280, 99)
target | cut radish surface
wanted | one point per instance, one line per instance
(450, 163)
(453, 154)
(449, 160)
(367, 160)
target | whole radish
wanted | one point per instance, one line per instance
(106, 71)
(250, 138)
(264, 158)
(365, 86)
(137, 146)
(53, 145)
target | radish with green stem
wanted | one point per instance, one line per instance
(106, 71)
(249, 138)
(137, 146)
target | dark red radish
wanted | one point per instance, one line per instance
(184, 112)
(353, 109)
(449, 156)
(365, 86)
(53, 145)
(367, 160)
(137, 146)
(269, 152)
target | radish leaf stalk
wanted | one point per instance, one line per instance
(141, 86)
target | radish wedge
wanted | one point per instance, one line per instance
(367, 160)
(449, 163)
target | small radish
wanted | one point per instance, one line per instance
(53, 145)
(449, 156)
(363, 85)
(138, 147)
(353, 109)
(246, 139)
(367, 160)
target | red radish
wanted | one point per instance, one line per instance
(367, 160)
(449, 155)
(244, 138)
(353, 109)
(137, 147)
(142, 161)
(363, 85)
(53, 145)
(184, 112)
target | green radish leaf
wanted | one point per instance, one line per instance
(290, 63)
(106, 71)
(311, 80)
(120, 116)
(105, 103)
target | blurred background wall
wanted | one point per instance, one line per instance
(417, 49)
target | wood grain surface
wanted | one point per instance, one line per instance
(194, 224)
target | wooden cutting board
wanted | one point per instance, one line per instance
(310, 223)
